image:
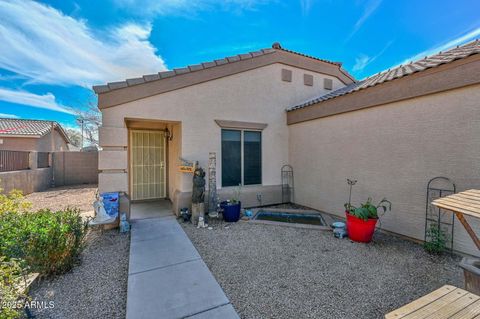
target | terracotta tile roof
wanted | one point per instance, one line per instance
(277, 46)
(205, 65)
(459, 52)
(34, 128)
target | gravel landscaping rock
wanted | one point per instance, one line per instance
(79, 196)
(284, 272)
(96, 288)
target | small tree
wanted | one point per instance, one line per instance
(89, 120)
(75, 137)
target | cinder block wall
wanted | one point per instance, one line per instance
(71, 168)
(68, 168)
(28, 181)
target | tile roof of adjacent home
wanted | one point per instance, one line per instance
(459, 52)
(276, 47)
(34, 128)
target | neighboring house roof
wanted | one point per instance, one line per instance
(459, 52)
(148, 85)
(29, 128)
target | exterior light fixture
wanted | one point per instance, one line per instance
(168, 134)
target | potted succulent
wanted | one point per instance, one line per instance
(361, 221)
(231, 208)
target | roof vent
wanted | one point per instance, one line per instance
(276, 45)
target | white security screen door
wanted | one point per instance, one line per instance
(147, 164)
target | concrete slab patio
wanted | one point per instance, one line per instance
(167, 277)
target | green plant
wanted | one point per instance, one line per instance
(436, 240)
(14, 201)
(368, 210)
(49, 242)
(12, 273)
(236, 195)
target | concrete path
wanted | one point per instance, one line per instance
(167, 278)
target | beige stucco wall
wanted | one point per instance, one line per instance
(392, 150)
(42, 144)
(257, 96)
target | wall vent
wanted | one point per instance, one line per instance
(286, 75)
(308, 79)
(327, 84)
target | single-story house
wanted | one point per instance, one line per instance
(32, 135)
(392, 132)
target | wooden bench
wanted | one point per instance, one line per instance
(446, 302)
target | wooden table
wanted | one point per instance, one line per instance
(446, 302)
(463, 204)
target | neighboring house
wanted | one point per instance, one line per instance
(32, 135)
(392, 132)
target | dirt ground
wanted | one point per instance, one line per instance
(79, 196)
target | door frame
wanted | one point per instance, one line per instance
(130, 164)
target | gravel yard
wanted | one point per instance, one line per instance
(97, 286)
(79, 196)
(284, 272)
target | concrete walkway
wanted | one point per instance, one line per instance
(167, 278)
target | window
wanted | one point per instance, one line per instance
(241, 157)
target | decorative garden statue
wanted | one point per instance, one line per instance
(198, 194)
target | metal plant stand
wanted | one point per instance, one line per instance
(287, 184)
(439, 187)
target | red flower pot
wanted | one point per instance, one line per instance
(360, 230)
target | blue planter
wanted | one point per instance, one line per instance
(231, 212)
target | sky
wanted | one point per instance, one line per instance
(52, 52)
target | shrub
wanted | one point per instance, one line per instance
(14, 201)
(436, 240)
(49, 242)
(11, 276)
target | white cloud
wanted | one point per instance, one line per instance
(9, 116)
(46, 101)
(370, 8)
(45, 46)
(363, 60)
(461, 39)
(186, 7)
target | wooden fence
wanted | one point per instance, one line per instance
(13, 160)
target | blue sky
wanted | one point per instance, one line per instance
(52, 52)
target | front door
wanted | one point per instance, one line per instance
(147, 164)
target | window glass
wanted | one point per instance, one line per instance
(231, 158)
(252, 158)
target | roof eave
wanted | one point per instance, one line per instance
(124, 93)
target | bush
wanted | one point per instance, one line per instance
(11, 276)
(14, 202)
(49, 242)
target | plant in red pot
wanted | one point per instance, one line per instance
(361, 221)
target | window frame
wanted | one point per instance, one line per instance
(242, 154)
